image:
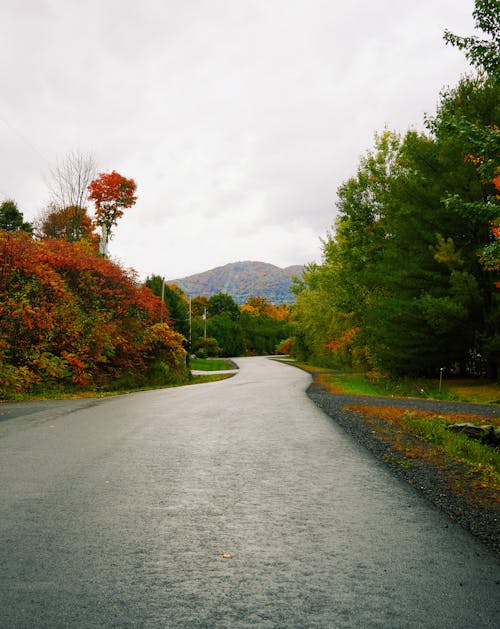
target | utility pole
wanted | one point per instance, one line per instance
(190, 327)
(162, 297)
(205, 322)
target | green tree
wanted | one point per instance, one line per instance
(333, 298)
(223, 303)
(469, 120)
(175, 302)
(407, 283)
(422, 314)
(262, 333)
(11, 218)
(228, 333)
(483, 53)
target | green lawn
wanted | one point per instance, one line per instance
(474, 390)
(479, 391)
(209, 364)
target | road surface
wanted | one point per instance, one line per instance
(229, 504)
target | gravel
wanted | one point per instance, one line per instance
(437, 483)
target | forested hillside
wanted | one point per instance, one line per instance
(242, 280)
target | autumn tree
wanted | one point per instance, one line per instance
(199, 304)
(111, 193)
(11, 218)
(70, 178)
(71, 223)
(258, 305)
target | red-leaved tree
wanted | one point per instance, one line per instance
(111, 193)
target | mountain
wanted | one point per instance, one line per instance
(242, 280)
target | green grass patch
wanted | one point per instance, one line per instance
(209, 364)
(472, 390)
(353, 384)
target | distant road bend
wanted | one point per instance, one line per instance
(230, 504)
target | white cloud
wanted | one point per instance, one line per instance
(237, 118)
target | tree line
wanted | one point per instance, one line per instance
(217, 326)
(71, 318)
(408, 282)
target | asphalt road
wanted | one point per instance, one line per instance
(230, 504)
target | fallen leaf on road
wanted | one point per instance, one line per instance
(226, 555)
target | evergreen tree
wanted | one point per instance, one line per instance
(176, 303)
(228, 333)
(11, 218)
(222, 302)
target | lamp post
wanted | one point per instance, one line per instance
(441, 369)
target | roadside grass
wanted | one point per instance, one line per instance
(476, 391)
(209, 364)
(353, 384)
(472, 390)
(58, 394)
(482, 461)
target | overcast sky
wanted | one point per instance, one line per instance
(238, 119)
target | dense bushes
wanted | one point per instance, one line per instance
(71, 318)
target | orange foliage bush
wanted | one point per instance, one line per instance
(285, 347)
(69, 316)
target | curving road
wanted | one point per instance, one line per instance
(230, 504)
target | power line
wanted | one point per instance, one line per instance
(24, 139)
(17, 133)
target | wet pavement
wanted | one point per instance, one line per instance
(235, 503)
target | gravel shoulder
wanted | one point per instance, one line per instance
(449, 487)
